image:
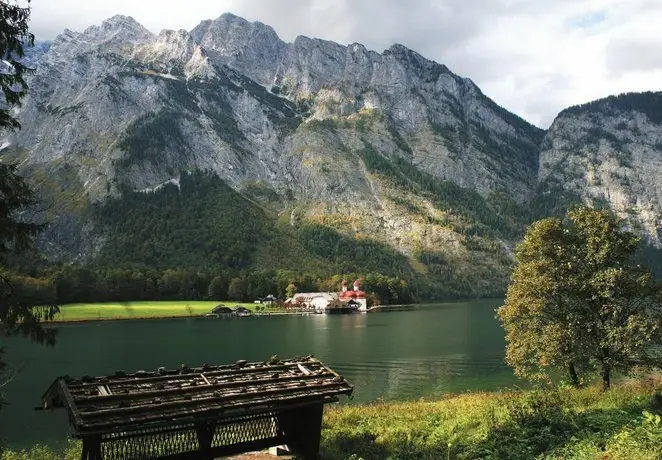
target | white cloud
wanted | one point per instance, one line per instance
(534, 57)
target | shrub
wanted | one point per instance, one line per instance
(40, 452)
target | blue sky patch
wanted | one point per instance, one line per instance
(587, 20)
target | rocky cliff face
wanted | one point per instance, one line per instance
(444, 122)
(239, 95)
(387, 146)
(116, 107)
(609, 152)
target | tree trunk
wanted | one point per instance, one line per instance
(606, 376)
(572, 372)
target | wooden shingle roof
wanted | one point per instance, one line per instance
(129, 401)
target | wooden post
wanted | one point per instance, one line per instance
(91, 448)
(205, 433)
(302, 429)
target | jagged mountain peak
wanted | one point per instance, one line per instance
(253, 48)
(417, 62)
(357, 47)
(228, 31)
(65, 37)
(120, 21)
(228, 18)
(118, 29)
(231, 18)
(113, 32)
(400, 49)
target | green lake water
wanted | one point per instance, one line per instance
(423, 353)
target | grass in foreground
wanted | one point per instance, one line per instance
(143, 309)
(624, 423)
(543, 424)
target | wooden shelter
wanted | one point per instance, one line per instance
(200, 413)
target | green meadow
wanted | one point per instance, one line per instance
(143, 309)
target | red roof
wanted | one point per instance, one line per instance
(352, 294)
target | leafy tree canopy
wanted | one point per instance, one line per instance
(577, 303)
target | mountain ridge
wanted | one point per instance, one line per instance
(391, 148)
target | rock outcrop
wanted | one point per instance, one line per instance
(609, 152)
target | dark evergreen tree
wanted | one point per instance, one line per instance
(14, 36)
(17, 314)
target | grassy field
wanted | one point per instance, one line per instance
(143, 309)
(624, 423)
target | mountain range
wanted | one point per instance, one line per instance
(225, 146)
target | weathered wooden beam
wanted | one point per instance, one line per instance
(246, 369)
(74, 413)
(191, 390)
(217, 399)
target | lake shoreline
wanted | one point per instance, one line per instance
(253, 315)
(158, 317)
(147, 310)
(95, 311)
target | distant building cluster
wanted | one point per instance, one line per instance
(329, 302)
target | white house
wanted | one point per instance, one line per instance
(316, 300)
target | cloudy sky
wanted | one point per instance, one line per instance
(534, 57)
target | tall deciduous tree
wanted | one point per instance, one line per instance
(218, 288)
(577, 303)
(290, 290)
(237, 289)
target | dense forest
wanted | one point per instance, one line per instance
(649, 103)
(200, 239)
(70, 284)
